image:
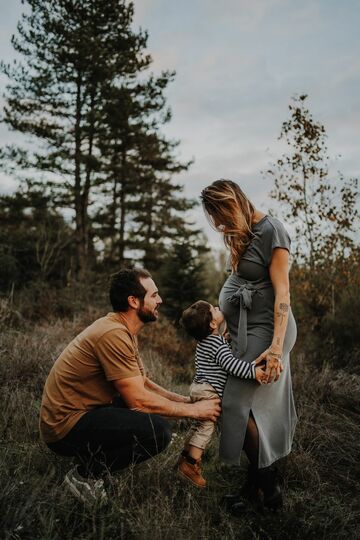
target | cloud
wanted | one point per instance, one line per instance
(7, 184)
(238, 63)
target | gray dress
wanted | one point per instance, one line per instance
(247, 301)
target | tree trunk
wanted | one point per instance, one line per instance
(112, 225)
(79, 230)
(122, 201)
(308, 225)
(87, 185)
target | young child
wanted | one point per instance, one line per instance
(213, 361)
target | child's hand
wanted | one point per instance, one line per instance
(260, 371)
(226, 334)
(260, 375)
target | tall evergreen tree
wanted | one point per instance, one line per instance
(81, 57)
(182, 277)
(40, 247)
(143, 203)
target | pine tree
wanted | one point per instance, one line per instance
(71, 50)
(182, 276)
(144, 207)
(40, 247)
(79, 92)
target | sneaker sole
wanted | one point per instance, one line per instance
(80, 496)
(184, 477)
(69, 486)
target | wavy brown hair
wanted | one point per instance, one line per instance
(230, 212)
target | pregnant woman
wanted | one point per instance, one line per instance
(255, 300)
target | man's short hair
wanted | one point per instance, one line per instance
(126, 283)
(196, 320)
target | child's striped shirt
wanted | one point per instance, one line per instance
(214, 361)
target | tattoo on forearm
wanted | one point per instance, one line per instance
(278, 341)
(275, 355)
(284, 308)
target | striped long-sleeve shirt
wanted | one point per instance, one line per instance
(214, 361)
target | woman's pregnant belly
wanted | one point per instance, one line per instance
(290, 335)
(260, 321)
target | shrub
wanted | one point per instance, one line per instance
(320, 476)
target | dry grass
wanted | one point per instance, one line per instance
(148, 502)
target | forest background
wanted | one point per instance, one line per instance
(97, 190)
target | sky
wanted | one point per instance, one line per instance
(238, 63)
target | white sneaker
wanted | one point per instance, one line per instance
(89, 491)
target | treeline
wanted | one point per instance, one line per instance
(98, 188)
(83, 93)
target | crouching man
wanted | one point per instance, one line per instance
(99, 406)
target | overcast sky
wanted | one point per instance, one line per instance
(238, 63)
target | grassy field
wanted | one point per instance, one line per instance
(321, 477)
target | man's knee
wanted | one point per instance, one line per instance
(163, 433)
(160, 433)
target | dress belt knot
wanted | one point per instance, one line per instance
(243, 298)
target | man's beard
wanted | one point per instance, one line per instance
(145, 315)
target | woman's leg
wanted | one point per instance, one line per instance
(266, 480)
(251, 442)
(234, 501)
(261, 483)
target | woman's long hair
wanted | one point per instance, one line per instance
(230, 212)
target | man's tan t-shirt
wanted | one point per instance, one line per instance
(80, 379)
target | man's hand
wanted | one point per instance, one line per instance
(207, 409)
(138, 398)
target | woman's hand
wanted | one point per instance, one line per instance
(273, 365)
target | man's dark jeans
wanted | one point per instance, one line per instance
(112, 438)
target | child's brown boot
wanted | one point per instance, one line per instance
(184, 454)
(189, 468)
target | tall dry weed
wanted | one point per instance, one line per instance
(149, 501)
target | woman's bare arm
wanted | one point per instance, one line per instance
(279, 275)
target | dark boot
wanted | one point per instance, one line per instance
(234, 502)
(237, 509)
(268, 485)
(251, 484)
